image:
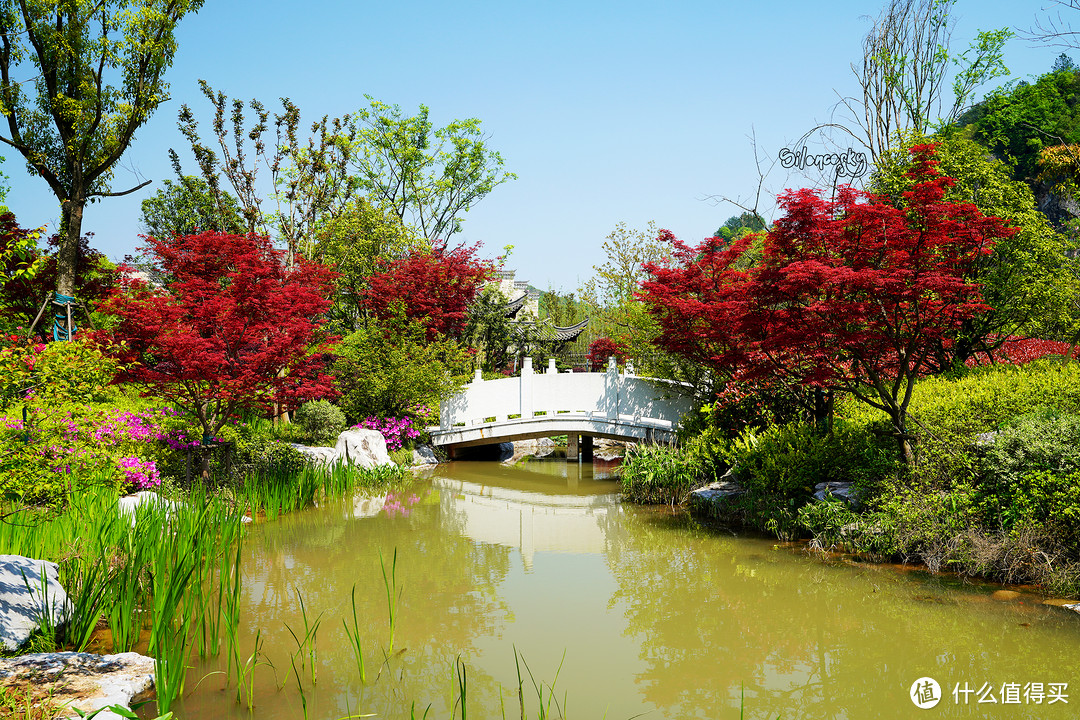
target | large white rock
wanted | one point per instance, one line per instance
(82, 680)
(23, 604)
(362, 447)
(320, 455)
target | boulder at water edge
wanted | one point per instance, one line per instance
(424, 455)
(362, 447)
(25, 600)
(82, 680)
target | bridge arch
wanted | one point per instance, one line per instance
(586, 405)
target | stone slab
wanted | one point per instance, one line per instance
(23, 604)
(83, 680)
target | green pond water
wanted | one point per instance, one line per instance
(625, 611)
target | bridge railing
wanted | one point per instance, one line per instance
(606, 395)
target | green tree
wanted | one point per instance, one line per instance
(92, 75)
(906, 66)
(356, 242)
(309, 179)
(491, 332)
(1028, 281)
(1018, 121)
(187, 207)
(738, 225)
(426, 176)
(4, 187)
(386, 370)
(614, 310)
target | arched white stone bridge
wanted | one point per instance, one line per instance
(578, 405)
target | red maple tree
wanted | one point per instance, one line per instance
(601, 349)
(851, 294)
(234, 328)
(434, 287)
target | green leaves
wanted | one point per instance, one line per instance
(96, 69)
(426, 176)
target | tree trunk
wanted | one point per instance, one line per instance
(67, 256)
(903, 439)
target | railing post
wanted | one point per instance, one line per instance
(611, 388)
(552, 370)
(525, 402)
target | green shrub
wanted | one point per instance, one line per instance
(658, 474)
(320, 420)
(947, 413)
(779, 467)
(386, 371)
(55, 374)
(1043, 440)
(256, 451)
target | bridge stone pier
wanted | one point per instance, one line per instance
(581, 406)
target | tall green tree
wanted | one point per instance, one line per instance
(614, 310)
(77, 79)
(426, 176)
(309, 182)
(904, 78)
(4, 187)
(357, 242)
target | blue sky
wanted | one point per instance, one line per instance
(607, 112)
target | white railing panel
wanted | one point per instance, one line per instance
(487, 398)
(575, 392)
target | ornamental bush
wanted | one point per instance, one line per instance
(320, 420)
(54, 374)
(383, 370)
(779, 467)
(57, 450)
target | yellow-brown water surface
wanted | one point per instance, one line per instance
(624, 611)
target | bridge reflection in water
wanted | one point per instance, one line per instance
(545, 506)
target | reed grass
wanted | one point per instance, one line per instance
(355, 642)
(390, 583)
(169, 576)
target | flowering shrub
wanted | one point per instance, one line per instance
(142, 475)
(397, 431)
(60, 449)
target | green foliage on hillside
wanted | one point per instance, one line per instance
(1018, 120)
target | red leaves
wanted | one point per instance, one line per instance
(231, 320)
(601, 349)
(433, 287)
(849, 293)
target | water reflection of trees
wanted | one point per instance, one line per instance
(805, 639)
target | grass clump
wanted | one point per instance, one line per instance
(658, 474)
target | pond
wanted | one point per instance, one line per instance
(610, 610)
